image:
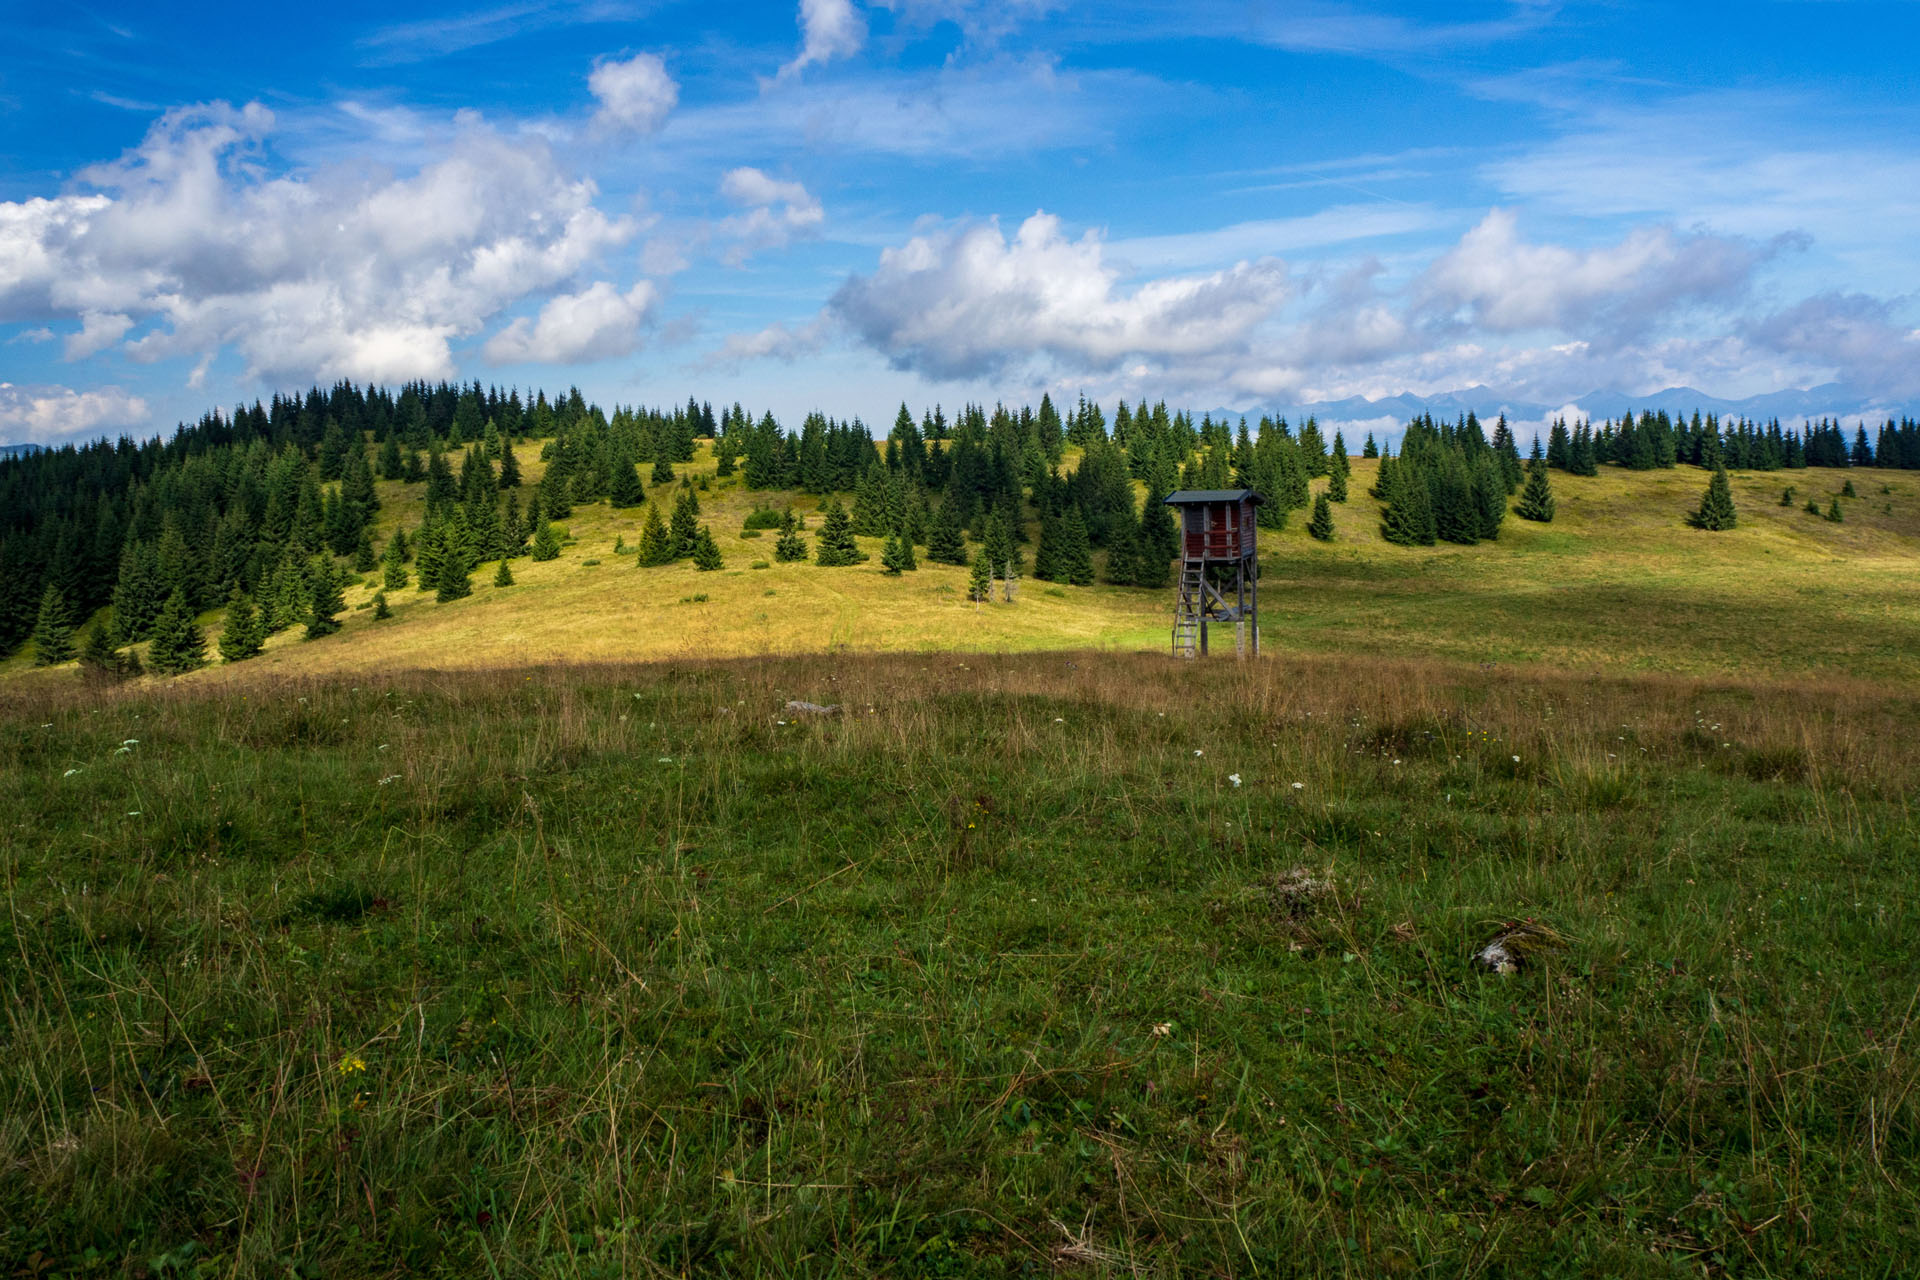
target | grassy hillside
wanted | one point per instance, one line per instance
(1616, 582)
(1018, 964)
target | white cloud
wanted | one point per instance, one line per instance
(50, 415)
(1850, 336)
(635, 96)
(829, 29)
(307, 276)
(1505, 285)
(775, 342)
(776, 212)
(971, 302)
(597, 323)
(98, 331)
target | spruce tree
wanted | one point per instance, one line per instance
(789, 546)
(706, 552)
(625, 489)
(1716, 506)
(896, 556)
(509, 466)
(363, 558)
(243, 635)
(1150, 561)
(662, 460)
(1834, 513)
(1320, 527)
(684, 530)
(1536, 496)
(1370, 449)
(99, 659)
(1786, 496)
(1337, 486)
(52, 630)
(946, 541)
(1073, 563)
(381, 609)
(1490, 492)
(323, 613)
(980, 581)
(503, 576)
(1123, 555)
(176, 644)
(656, 545)
(546, 546)
(455, 580)
(836, 545)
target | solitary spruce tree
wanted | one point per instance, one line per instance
(546, 546)
(706, 552)
(53, 630)
(1834, 513)
(836, 545)
(1536, 496)
(1716, 506)
(244, 635)
(381, 609)
(503, 576)
(789, 546)
(1320, 526)
(177, 643)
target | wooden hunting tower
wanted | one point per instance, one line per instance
(1219, 569)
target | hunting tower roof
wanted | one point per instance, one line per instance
(1189, 497)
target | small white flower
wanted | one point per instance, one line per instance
(1234, 778)
(69, 773)
(664, 760)
(1198, 752)
(1162, 1028)
(1301, 786)
(392, 777)
(1396, 762)
(1058, 720)
(1516, 759)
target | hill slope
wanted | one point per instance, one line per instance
(1616, 581)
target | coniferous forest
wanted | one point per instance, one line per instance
(271, 506)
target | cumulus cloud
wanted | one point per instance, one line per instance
(971, 303)
(775, 212)
(775, 342)
(829, 29)
(597, 323)
(50, 415)
(635, 96)
(98, 331)
(1506, 285)
(308, 277)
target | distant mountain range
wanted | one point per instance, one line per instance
(1790, 406)
(18, 450)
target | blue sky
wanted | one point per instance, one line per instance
(842, 205)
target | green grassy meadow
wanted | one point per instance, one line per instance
(532, 935)
(1030, 964)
